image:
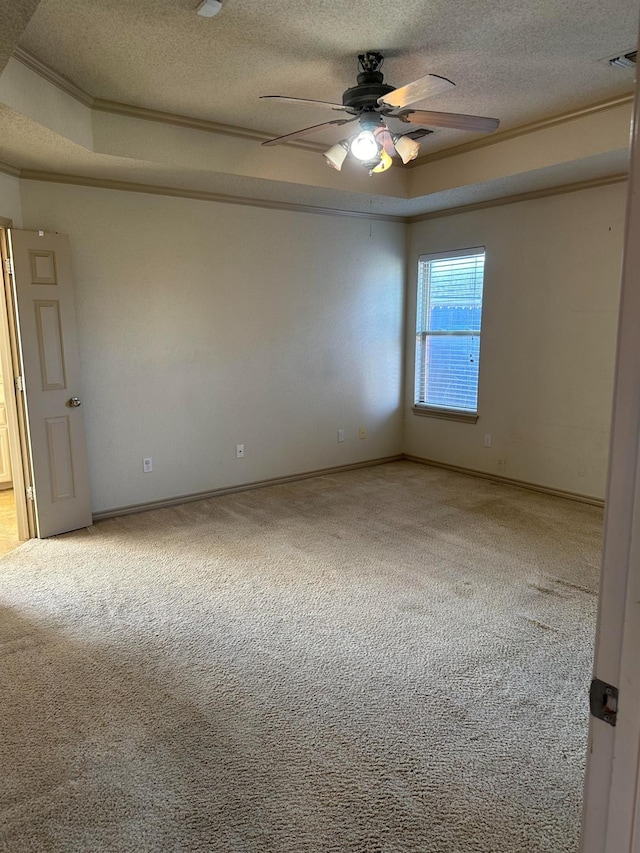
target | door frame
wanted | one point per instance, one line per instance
(16, 415)
(611, 805)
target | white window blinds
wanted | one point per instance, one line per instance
(448, 329)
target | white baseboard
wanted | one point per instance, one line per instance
(292, 478)
(245, 487)
(508, 481)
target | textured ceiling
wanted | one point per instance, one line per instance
(518, 60)
(13, 19)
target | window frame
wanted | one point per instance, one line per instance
(426, 409)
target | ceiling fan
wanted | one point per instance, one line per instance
(375, 105)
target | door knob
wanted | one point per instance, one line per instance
(74, 402)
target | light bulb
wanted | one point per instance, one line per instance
(364, 146)
(385, 162)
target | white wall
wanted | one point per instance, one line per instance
(552, 282)
(10, 204)
(204, 325)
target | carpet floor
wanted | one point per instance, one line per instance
(390, 660)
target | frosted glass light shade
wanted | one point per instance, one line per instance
(407, 148)
(336, 155)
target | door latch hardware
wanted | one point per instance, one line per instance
(603, 701)
(30, 493)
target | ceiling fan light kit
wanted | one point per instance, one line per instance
(372, 103)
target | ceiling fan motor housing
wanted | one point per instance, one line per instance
(365, 95)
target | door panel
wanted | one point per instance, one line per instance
(50, 347)
(45, 310)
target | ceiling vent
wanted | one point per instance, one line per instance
(625, 60)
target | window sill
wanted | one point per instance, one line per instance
(447, 414)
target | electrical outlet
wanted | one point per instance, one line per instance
(340, 435)
(147, 465)
(362, 433)
(239, 451)
(487, 439)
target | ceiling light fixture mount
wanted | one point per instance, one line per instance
(209, 8)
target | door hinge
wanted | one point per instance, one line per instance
(30, 493)
(603, 701)
(19, 383)
(8, 266)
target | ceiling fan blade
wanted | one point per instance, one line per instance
(432, 84)
(288, 100)
(306, 131)
(481, 124)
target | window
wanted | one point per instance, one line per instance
(448, 331)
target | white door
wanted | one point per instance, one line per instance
(611, 822)
(43, 292)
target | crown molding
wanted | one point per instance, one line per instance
(524, 130)
(115, 108)
(593, 183)
(198, 195)
(7, 169)
(47, 73)
(220, 198)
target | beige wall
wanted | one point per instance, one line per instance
(10, 205)
(204, 325)
(552, 282)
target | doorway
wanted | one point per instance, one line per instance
(16, 519)
(8, 519)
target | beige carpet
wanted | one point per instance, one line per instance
(390, 660)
